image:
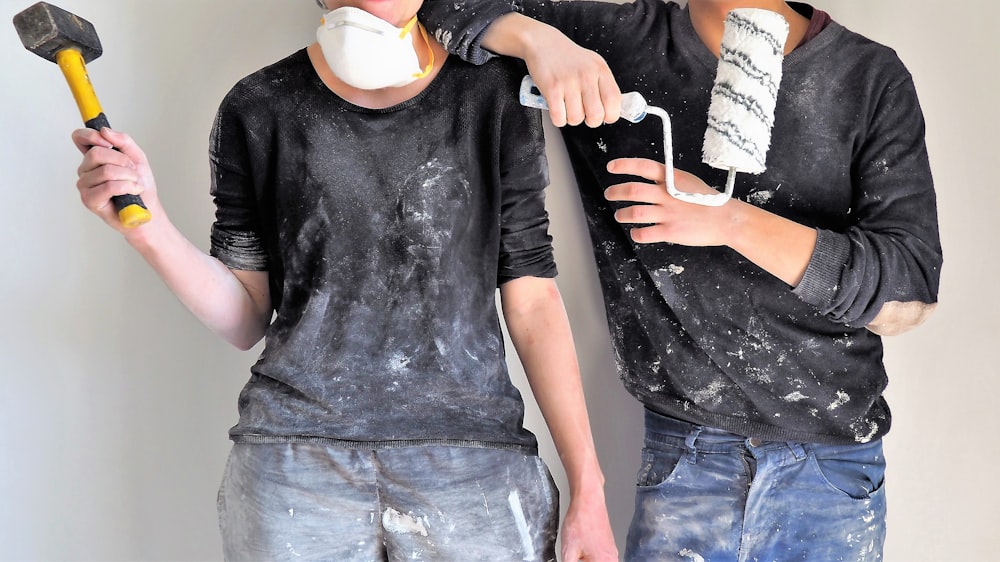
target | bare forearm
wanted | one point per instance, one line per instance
(539, 329)
(576, 82)
(779, 246)
(239, 313)
(514, 35)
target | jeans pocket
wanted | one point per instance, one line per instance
(658, 465)
(855, 470)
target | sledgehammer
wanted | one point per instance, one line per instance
(70, 41)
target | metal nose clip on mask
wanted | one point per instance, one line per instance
(370, 53)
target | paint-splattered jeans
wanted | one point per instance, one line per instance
(708, 495)
(309, 501)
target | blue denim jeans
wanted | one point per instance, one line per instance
(309, 501)
(706, 495)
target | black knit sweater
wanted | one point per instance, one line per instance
(385, 234)
(702, 334)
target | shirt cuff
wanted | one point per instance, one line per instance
(823, 274)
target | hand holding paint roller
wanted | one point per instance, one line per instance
(633, 104)
(741, 113)
(70, 41)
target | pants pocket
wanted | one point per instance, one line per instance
(855, 470)
(658, 465)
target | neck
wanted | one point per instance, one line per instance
(709, 19)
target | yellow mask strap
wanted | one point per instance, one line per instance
(423, 33)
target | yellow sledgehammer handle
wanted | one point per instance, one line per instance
(132, 211)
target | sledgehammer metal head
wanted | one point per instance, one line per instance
(46, 29)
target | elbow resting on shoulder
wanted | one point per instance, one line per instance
(898, 317)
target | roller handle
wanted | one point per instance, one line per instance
(132, 212)
(633, 104)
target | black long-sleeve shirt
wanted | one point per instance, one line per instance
(385, 233)
(702, 334)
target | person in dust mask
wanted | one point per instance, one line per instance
(371, 195)
(751, 331)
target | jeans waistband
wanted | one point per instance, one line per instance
(662, 430)
(658, 424)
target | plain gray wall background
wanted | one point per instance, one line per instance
(114, 401)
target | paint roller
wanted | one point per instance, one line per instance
(71, 41)
(741, 112)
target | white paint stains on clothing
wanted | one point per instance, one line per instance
(864, 433)
(398, 361)
(794, 396)
(691, 555)
(842, 398)
(399, 523)
(711, 394)
(522, 525)
(443, 37)
(760, 197)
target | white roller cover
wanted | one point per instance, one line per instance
(741, 113)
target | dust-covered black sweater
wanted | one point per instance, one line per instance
(385, 233)
(702, 334)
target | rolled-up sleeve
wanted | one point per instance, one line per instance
(459, 26)
(892, 254)
(236, 238)
(525, 243)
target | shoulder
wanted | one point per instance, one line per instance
(592, 23)
(604, 9)
(262, 86)
(497, 79)
(864, 57)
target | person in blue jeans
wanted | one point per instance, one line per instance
(372, 194)
(751, 331)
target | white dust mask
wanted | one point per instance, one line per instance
(368, 52)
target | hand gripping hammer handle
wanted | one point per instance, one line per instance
(131, 210)
(70, 41)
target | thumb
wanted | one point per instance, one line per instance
(124, 144)
(572, 553)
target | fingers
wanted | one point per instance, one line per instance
(594, 99)
(84, 139)
(98, 184)
(642, 167)
(596, 113)
(560, 106)
(577, 84)
(578, 553)
(106, 171)
(96, 157)
(611, 98)
(572, 553)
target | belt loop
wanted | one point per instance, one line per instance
(690, 441)
(798, 450)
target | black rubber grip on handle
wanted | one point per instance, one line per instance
(120, 201)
